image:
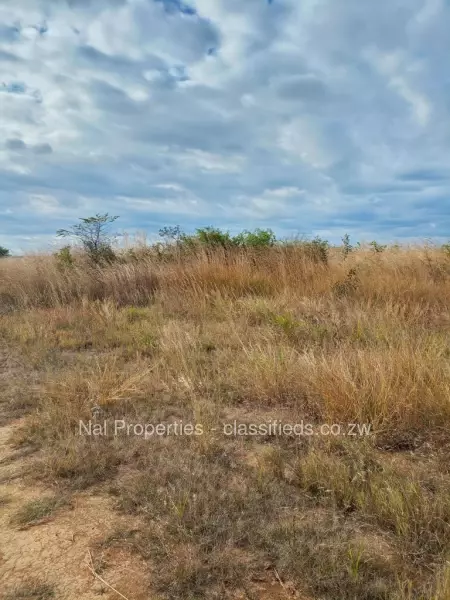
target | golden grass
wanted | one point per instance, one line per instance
(250, 336)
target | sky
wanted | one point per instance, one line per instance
(311, 117)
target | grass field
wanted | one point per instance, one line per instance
(359, 344)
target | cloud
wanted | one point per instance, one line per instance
(8, 57)
(42, 149)
(301, 116)
(15, 145)
(301, 88)
(18, 145)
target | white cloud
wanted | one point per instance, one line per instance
(420, 105)
(307, 140)
(42, 204)
(311, 115)
(207, 161)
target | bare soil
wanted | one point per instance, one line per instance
(60, 550)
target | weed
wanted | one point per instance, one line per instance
(286, 322)
(348, 286)
(34, 511)
(377, 248)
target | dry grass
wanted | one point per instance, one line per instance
(251, 337)
(32, 589)
(35, 511)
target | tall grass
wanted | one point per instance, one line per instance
(408, 276)
(251, 335)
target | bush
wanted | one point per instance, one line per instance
(347, 248)
(64, 257)
(213, 237)
(317, 250)
(4, 252)
(259, 238)
(377, 248)
(446, 249)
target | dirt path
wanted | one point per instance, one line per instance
(55, 552)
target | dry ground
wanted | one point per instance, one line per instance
(248, 338)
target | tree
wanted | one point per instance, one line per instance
(94, 235)
(259, 238)
(4, 252)
(171, 233)
(347, 248)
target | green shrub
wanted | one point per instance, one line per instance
(347, 248)
(317, 250)
(64, 257)
(377, 248)
(259, 238)
(348, 286)
(214, 237)
(286, 322)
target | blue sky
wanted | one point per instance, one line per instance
(307, 116)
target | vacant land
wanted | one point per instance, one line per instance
(303, 405)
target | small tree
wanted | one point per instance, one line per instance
(171, 233)
(4, 252)
(347, 248)
(94, 236)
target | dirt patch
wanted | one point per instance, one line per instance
(59, 550)
(17, 386)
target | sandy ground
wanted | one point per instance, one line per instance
(61, 550)
(58, 550)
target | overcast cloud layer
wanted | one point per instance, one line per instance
(307, 116)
